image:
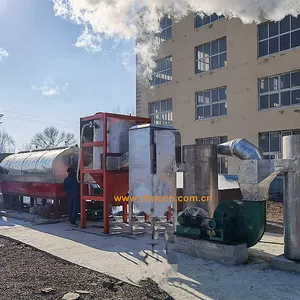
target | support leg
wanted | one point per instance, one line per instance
(83, 191)
(125, 210)
(21, 202)
(147, 218)
(130, 203)
(169, 214)
(175, 211)
(106, 215)
(31, 201)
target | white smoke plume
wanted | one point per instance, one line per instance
(139, 19)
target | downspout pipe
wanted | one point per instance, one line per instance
(240, 148)
(90, 124)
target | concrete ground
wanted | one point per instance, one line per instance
(124, 257)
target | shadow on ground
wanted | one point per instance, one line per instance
(195, 278)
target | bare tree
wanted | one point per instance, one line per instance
(51, 138)
(128, 111)
(6, 142)
(27, 147)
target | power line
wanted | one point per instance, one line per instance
(22, 119)
(39, 117)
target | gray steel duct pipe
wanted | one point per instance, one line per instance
(240, 148)
(201, 176)
(291, 146)
(291, 198)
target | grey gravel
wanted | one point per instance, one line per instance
(30, 274)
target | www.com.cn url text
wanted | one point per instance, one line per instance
(147, 198)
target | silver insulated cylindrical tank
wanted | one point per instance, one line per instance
(201, 177)
(291, 199)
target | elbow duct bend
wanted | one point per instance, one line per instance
(240, 148)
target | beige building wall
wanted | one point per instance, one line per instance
(241, 75)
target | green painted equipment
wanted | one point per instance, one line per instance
(188, 231)
(233, 222)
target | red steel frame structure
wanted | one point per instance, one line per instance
(113, 183)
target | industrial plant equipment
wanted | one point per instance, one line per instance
(154, 151)
(126, 155)
(37, 175)
(244, 221)
(104, 138)
(235, 221)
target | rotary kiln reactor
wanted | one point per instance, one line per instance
(37, 175)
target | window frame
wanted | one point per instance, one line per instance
(211, 103)
(275, 154)
(221, 158)
(196, 15)
(278, 35)
(162, 71)
(164, 29)
(168, 112)
(278, 91)
(210, 56)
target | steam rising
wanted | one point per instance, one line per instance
(139, 19)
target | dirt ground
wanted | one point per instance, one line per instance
(27, 273)
(275, 212)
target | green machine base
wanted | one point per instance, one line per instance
(197, 233)
(190, 232)
(233, 222)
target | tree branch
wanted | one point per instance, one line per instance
(51, 138)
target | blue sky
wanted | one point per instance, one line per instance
(41, 54)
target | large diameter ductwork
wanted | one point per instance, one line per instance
(291, 197)
(249, 172)
(240, 148)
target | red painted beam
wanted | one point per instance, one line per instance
(33, 189)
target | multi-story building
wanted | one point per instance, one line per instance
(219, 79)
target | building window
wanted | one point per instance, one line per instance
(211, 103)
(211, 56)
(200, 21)
(165, 33)
(163, 71)
(222, 160)
(279, 36)
(270, 143)
(279, 90)
(160, 112)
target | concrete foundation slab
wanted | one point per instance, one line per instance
(274, 228)
(225, 254)
(283, 264)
